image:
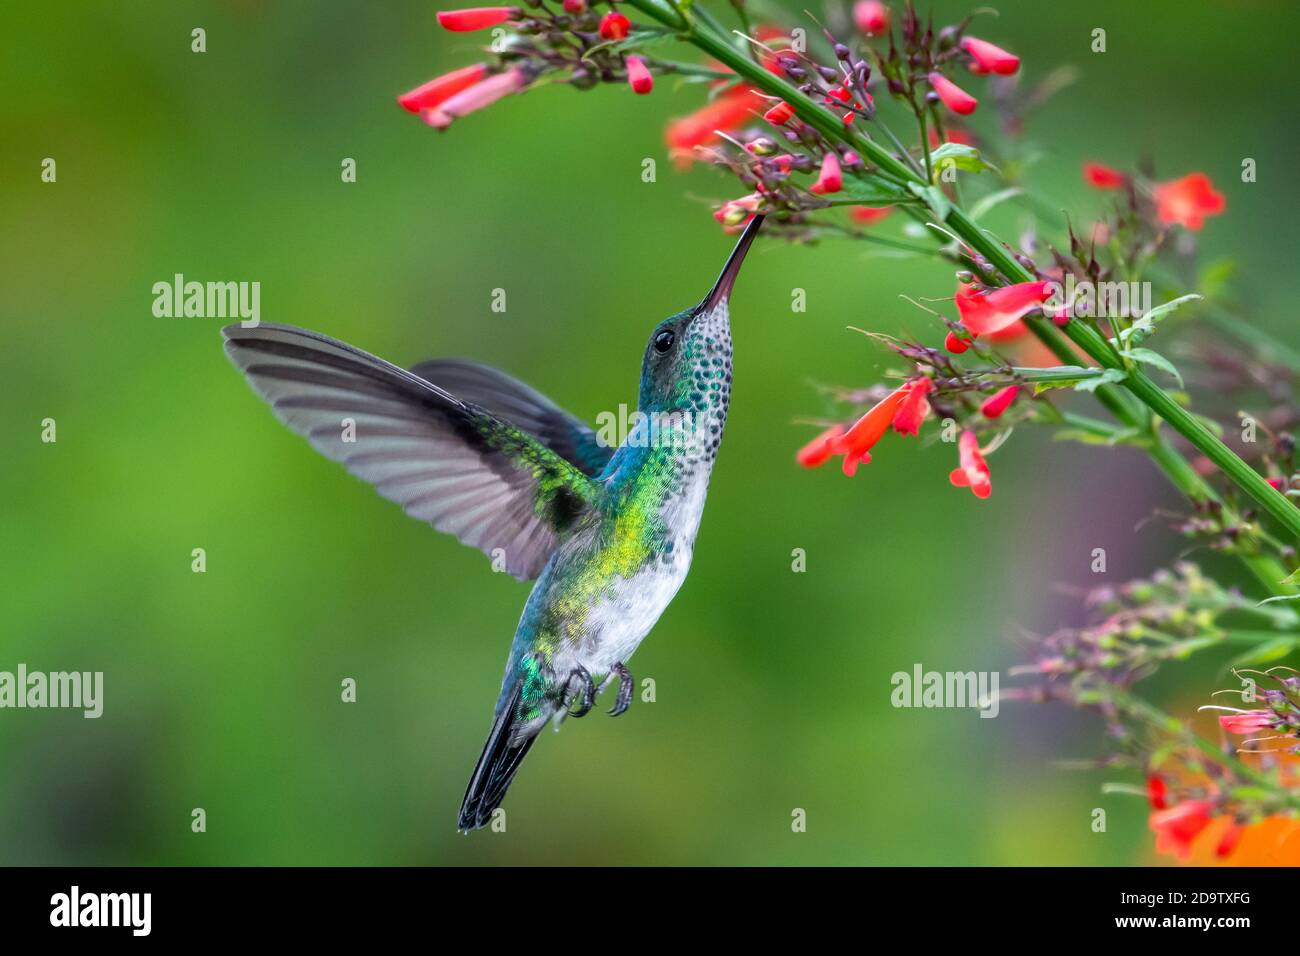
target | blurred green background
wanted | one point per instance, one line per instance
(222, 689)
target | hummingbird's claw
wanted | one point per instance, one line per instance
(625, 687)
(588, 691)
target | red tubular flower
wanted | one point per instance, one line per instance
(989, 58)
(780, 114)
(481, 94)
(952, 95)
(869, 215)
(474, 18)
(638, 76)
(1250, 722)
(999, 401)
(726, 113)
(857, 442)
(830, 179)
(955, 344)
(614, 26)
(1228, 842)
(1178, 826)
(1188, 201)
(1157, 792)
(871, 16)
(1001, 308)
(974, 470)
(442, 88)
(914, 407)
(820, 449)
(1103, 177)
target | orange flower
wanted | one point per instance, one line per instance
(728, 112)
(914, 407)
(858, 441)
(1178, 826)
(974, 470)
(1188, 201)
(986, 314)
(820, 449)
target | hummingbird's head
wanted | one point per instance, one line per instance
(687, 364)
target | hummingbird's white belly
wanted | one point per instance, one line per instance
(631, 606)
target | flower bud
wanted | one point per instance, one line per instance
(780, 114)
(614, 26)
(475, 18)
(638, 76)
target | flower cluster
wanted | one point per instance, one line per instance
(1204, 802)
(867, 127)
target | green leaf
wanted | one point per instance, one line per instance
(1110, 376)
(958, 156)
(1292, 578)
(869, 191)
(986, 204)
(1280, 597)
(933, 197)
(1146, 325)
(1267, 652)
(1159, 361)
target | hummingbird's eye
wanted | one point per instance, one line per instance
(664, 340)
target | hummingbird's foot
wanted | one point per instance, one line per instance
(587, 691)
(625, 689)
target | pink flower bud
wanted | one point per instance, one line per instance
(952, 95)
(829, 180)
(575, 7)
(474, 18)
(638, 76)
(989, 58)
(955, 344)
(442, 88)
(871, 16)
(999, 401)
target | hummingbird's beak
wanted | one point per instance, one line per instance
(721, 290)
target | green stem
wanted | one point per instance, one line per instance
(1158, 718)
(1087, 338)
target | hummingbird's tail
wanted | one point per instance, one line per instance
(497, 766)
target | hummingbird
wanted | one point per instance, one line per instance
(607, 533)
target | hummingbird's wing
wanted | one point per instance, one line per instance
(510, 399)
(444, 460)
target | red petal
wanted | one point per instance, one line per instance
(952, 95)
(441, 88)
(474, 18)
(990, 58)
